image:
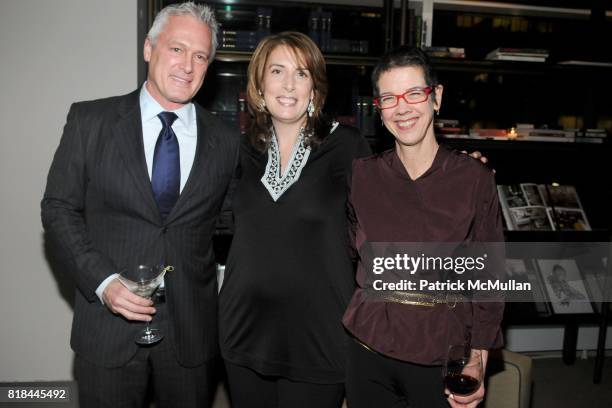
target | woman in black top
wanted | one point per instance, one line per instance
(289, 276)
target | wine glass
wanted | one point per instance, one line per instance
(143, 280)
(463, 370)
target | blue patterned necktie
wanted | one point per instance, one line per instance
(166, 177)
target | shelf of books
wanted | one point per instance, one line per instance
(543, 139)
(330, 59)
(522, 67)
(336, 29)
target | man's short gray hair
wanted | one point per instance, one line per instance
(200, 12)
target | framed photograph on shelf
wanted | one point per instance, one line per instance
(565, 286)
(524, 271)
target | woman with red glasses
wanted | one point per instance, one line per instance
(418, 192)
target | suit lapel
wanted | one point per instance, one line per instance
(204, 147)
(127, 133)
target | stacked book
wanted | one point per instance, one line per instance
(591, 136)
(527, 131)
(518, 54)
(445, 52)
(493, 134)
(449, 128)
(586, 63)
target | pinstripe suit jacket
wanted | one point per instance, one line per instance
(100, 216)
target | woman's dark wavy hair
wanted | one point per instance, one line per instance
(404, 56)
(308, 55)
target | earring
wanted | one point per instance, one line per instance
(262, 101)
(310, 110)
(437, 112)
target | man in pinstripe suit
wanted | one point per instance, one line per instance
(102, 213)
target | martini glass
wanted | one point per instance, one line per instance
(143, 280)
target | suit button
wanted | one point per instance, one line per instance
(164, 230)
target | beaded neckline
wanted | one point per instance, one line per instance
(277, 183)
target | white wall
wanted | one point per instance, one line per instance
(550, 338)
(51, 54)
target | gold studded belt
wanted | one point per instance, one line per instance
(415, 298)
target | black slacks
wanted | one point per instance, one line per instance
(249, 389)
(376, 381)
(153, 367)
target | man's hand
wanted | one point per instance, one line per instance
(478, 156)
(468, 401)
(121, 301)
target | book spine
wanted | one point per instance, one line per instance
(244, 118)
(326, 32)
(314, 22)
(418, 29)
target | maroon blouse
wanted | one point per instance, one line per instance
(455, 200)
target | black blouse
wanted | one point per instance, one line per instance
(289, 275)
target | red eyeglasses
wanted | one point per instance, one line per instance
(414, 95)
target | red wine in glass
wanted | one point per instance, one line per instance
(463, 370)
(461, 384)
